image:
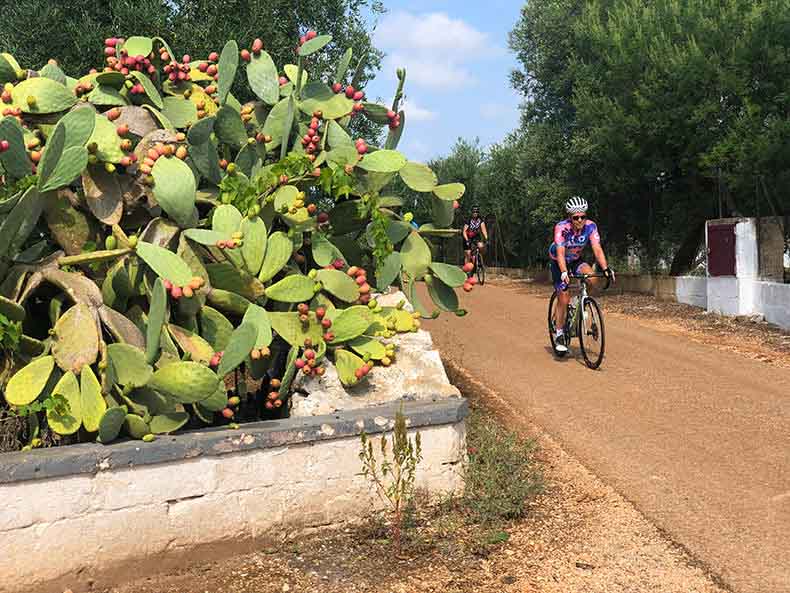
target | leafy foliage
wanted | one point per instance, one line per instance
(174, 244)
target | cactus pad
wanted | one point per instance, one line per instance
(61, 421)
(241, 343)
(171, 422)
(339, 284)
(418, 177)
(15, 159)
(111, 423)
(185, 382)
(174, 190)
(165, 263)
(294, 288)
(415, 255)
(28, 383)
(278, 251)
(383, 161)
(127, 365)
(198, 348)
(347, 365)
(350, 323)
(449, 191)
(91, 401)
(215, 328)
(262, 76)
(77, 338)
(451, 275)
(47, 95)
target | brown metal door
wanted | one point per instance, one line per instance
(721, 250)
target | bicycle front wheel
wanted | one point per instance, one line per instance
(591, 334)
(481, 269)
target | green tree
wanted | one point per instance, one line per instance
(36, 30)
(648, 108)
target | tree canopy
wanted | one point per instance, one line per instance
(654, 111)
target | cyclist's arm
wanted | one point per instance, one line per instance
(484, 230)
(466, 226)
(561, 258)
(600, 257)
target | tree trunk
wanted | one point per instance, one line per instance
(687, 252)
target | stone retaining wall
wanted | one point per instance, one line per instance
(71, 514)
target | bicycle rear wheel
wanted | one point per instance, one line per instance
(553, 304)
(591, 334)
(480, 268)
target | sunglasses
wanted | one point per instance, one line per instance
(579, 217)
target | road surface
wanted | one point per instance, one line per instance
(698, 439)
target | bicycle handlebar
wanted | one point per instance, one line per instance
(584, 277)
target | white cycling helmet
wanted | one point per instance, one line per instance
(576, 204)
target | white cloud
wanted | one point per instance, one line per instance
(414, 112)
(434, 32)
(436, 50)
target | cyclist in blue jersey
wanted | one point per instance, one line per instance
(571, 236)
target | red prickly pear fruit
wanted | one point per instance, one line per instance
(358, 107)
(223, 164)
(364, 289)
(314, 123)
(277, 403)
(326, 323)
(211, 89)
(227, 413)
(304, 318)
(172, 76)
(360, 280)
(181, 152)
(113, 114)
(323, 217)
(337, 88)
(339, 264)
(269, 405)
(391, 114)
(303, 40)
(311, 35)
(365, 370)
(212, 70)
(352, 271)
(145, 169)
(283, 179)
(299, 363)
(255, 354)
(467, 287)
(196, 282)
(311, 209)
(468, 267)
(318, 114)
(358, 96)
(203, 66)
(310, 133)
(275, 383)
(350, 91)
(245, 55)
(213, 57)
(35, 156)
(362, 148)
(359, 373)
(122, 130)
(176, 292)
(234, 401)
(214, 361)
(329, 337)
(320, 312)
(472, 281)
(186, 59)
(6, 97)
(364, 299)
(109, 51)
(4, 145)
(273, 395)
(126, 161)
(110, 42)
(456, 205)
(257, 46)
(188, 292)
(309, 354)
(182, 76)
(306, 140)
(303, 308)
(283, 81)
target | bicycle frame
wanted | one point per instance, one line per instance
(575, 322)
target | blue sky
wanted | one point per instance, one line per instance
(457, 67)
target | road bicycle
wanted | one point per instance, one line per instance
(480, 266)
(583, 320)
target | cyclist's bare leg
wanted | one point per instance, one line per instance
(587, 269)
(563, 298)
(467, 256)
(481, 247)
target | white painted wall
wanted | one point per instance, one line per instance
(692, 290)
(52, 530)
(772, 301)
(747, 260)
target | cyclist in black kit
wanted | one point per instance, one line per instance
(475, 231)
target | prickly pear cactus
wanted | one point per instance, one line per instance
(171, 258)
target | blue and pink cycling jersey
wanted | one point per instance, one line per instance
(574, 243)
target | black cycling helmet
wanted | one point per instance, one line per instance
(475, 209)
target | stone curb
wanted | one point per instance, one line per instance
(91, 458)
